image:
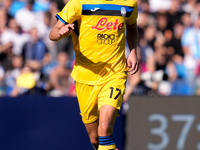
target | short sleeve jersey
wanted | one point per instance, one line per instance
(99, 37)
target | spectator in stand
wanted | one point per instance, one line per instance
(5, 47)
(156, 5)
(3, 20)
(26, 18)
(145, 51)
(12, 74)
(195, 13)
(59, 3)
(186, 20)
(174, 14)
(48, 66)
(14, 35)
(174, 22)
(189, 6)
(143, 5)
(44, 27)
(35, 48)
(144, 20)
(26, 82)
(6, 6)
(160, 70)
(175, 45)
(151, 34)
(53, 10)
(3, 28)
(2, 74)
(162, 20)
(62, 82)
(41, 5)
(191, 48)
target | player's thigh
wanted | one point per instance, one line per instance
(87, 99)
(112, 93)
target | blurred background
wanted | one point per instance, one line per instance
(169, 74)
(169, 49)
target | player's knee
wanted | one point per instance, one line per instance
(94, 138)
(105, 129)
(94, 141)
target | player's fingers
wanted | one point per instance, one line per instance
(131, 65)
(135, 69)
(70, 26)
(63, 30)
(130, 68)
(67, 29)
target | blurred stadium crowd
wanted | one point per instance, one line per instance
(31, 64)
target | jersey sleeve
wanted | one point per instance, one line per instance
(133, 18)
(71, 12)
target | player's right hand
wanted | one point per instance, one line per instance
(66, 30)
(133, 62)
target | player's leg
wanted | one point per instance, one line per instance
(107, 118)
(92, 130)
(87, 98)
(109, 103)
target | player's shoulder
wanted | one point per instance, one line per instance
(131, 3)
(118, 2)
(123, 2)
(92, 2)
(75, 2)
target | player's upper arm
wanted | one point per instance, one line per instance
(132, 19)
(131, 27)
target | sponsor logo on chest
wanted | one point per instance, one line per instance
(104, 24)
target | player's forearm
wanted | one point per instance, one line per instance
(55, 35)
(132, 38)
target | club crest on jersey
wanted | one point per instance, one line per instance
(123, 11)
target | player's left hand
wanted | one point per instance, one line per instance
(133, 62)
